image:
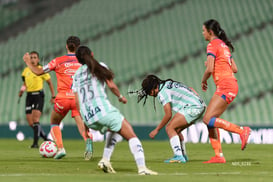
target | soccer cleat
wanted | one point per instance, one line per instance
(176, 159)
(216, 159)
(145, 171)
(60, 154)
(244, 137)
(106, 166)
(186, 157)
(33, 146)
(88, 154)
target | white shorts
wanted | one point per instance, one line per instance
(112, 121)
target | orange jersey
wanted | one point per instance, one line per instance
(222, 65)
(65, 67)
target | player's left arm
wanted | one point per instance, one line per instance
(114, 88)
(233, 66)
(166, 118)
(36, 70)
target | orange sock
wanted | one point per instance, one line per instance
(220, 123)
(57, 135)
(219, 142)
(215, 143)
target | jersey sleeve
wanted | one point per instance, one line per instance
(23, 73)
(50, 66)
(211, 50)
(164, 97)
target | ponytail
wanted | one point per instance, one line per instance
(84, 56)
(219, 32)
(73, 43)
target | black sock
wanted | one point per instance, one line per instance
(36, 132)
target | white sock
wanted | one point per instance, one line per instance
(137, 151)
(110, 142)
(175, 144)
(183, 147)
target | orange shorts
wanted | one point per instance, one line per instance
(63, 105)
(227, 89)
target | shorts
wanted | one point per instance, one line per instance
(34, 101)
(192, 113)
(112, 121)
(63, 105)
(227, 89)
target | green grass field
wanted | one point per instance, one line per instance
(19, 163)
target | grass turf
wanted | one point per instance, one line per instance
(20, 163)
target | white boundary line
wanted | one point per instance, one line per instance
(160, 174)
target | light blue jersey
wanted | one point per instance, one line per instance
(94, 105)
(182, 99)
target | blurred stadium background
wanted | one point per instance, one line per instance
(137, 37)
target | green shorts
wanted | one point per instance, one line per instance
(112, 121)
(192, 113)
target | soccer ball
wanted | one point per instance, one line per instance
(48, 149)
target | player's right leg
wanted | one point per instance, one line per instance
(136, 148)
(111, 138)
(178, 121)
(56, 134)
(84, 131)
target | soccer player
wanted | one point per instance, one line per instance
(64, 67)
(96, 110)
(177, 97)
(222, 67)
(35, 97)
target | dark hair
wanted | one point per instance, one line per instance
(218, 31)
(35, 52)
(84, 56)
(149, 83)
(73, 43)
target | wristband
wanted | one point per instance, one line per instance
(53, 97)
(120, 96)
(23, 88)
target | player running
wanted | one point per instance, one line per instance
(177, 97)
(222, 67)
(64, 67)
(98, 113)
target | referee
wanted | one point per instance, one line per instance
(35, 97)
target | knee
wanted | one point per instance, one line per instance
(206, 119)
(170, 130)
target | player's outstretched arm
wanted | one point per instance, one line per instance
(114, 88)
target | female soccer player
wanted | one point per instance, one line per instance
(97, 112)
(65, 67)
(177, 97)
(222, 67)
(35, 97)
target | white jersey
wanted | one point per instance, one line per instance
(92, 97)
(178, 95)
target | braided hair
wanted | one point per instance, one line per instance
(149, 83)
